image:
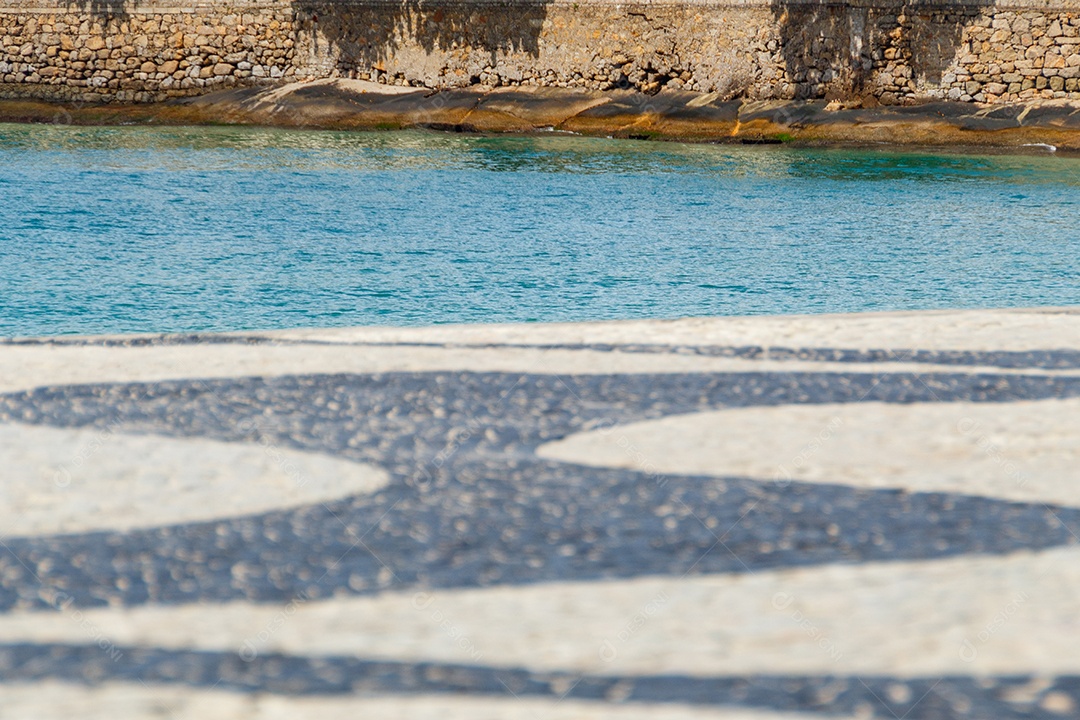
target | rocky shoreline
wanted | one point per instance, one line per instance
(670, 115)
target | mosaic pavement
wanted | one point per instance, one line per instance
(870, 516)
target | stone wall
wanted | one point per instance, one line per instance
(596, 45)
(992, 54)
(876, 51)
(141, 55)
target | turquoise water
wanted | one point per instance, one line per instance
(151, 229)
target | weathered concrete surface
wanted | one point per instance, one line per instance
(753, 518)
(675, 115)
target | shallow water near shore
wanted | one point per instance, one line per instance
(113, 229)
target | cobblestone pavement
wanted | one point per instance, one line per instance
(870, 516)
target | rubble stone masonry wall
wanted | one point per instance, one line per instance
(879, 51)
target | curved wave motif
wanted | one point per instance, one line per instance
(482, 572)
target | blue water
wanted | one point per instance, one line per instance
(155, 229)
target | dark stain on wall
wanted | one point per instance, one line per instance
(367, 33)
(832, 50)
(104, 9)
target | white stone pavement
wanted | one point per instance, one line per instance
(963, 615)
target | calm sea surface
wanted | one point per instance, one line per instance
(136, 229)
